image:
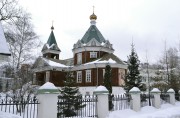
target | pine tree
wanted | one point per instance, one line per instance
(133, 78)
(108, 84)
(70, 97)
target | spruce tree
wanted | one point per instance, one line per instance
(107, 79)
(70, 97)
(108, 84)
(133, 78)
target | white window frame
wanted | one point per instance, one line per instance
(79, 76)
(93, 54)
(88, 75)
(79, 58)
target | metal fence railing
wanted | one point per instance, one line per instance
(25, 107)
(165, 98)
(177, 96)
(146, 99)
(67, 108)
(119, 101)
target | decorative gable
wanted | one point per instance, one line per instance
(93, 42)
(40, 63)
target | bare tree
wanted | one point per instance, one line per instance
(22, 40)
(9, 9)
(170, 64)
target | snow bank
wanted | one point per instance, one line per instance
(166, 111)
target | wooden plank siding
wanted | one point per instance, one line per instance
(57, 77)
(86, 56)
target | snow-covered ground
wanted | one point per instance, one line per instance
(8, 115)
(166, 111)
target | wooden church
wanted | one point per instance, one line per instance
(91, 54)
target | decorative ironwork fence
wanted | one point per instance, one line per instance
(146, 99)
(27, 108)
(89, 109)
(120, 101)
(177, 96)
(165, 98)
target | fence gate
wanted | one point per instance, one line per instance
(67, 107)
(146, 99)
(25, 107)
(119, 102)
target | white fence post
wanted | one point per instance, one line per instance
(171, 93)
(156, 102)
(47, 97)
(102, 101)
(135, 102)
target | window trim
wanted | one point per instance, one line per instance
(88, 75)
(79, 77)
(79, 58)
(93, 54)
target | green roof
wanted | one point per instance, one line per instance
(92, 32)
(52, 39)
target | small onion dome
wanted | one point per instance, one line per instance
(52, 28)
(93, 17)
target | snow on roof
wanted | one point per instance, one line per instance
(101, 88)
(101, 61)
(3, 45)
(135, 89)
(52, 63)
(155, 90)
(48, 85)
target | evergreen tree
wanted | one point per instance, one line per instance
(107, 79)
(108, 84)
(133, 78)
(70, 97)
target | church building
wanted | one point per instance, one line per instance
(91, 54)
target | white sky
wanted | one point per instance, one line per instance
(149, 22)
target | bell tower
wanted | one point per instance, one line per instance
(51, 49)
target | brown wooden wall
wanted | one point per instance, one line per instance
(40, 78)
(94, 76)
(86, 56)
(57, 77)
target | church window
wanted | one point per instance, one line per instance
(79, 76)
(88, 75)
(79, 58)
(93, 54)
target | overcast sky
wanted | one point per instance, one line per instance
(148, 22)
